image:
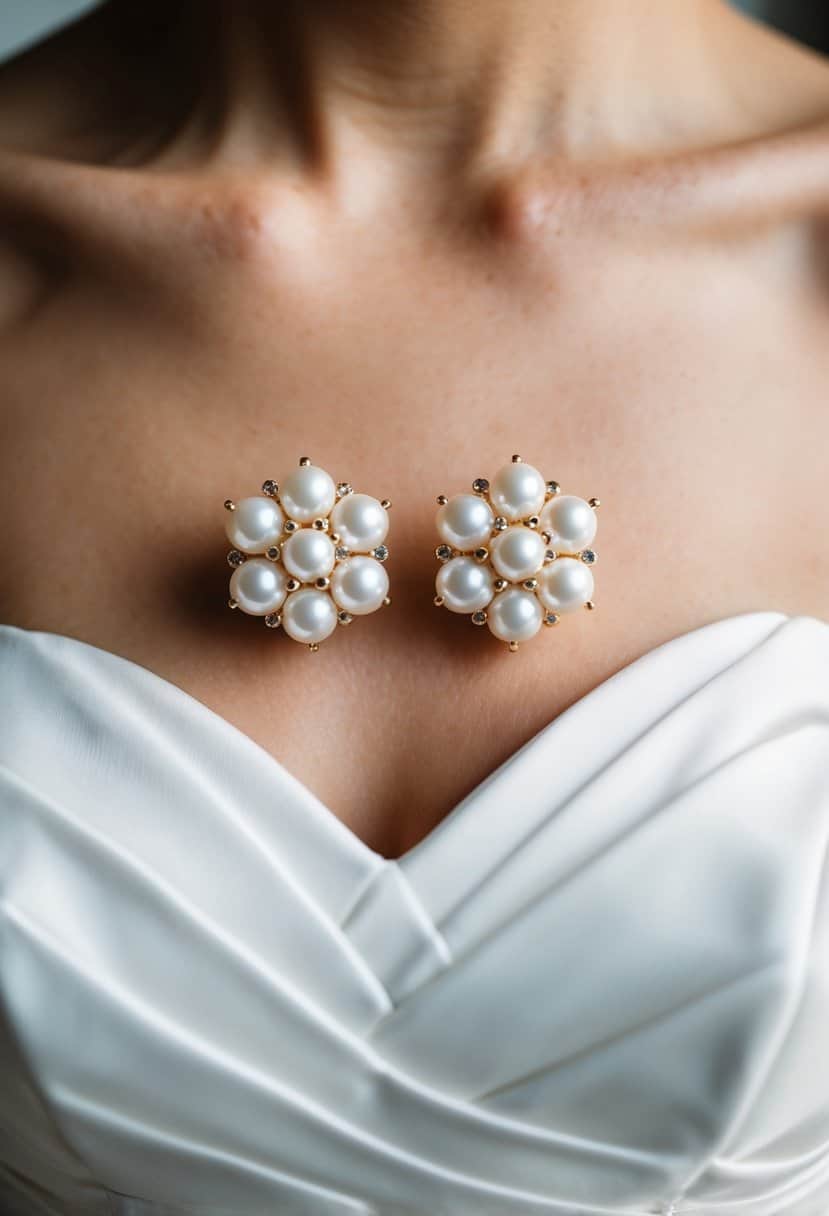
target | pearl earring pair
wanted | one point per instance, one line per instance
(308, 554)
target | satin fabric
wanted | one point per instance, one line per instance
(600, 986)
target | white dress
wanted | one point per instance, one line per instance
(599, 987)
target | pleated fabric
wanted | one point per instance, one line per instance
(600, 987)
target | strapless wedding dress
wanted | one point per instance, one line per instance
(600, 987)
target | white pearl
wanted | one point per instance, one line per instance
(361, 522)
(466, 585)
(258, 586)
(465, 521)
(308, 554)
(571, 520)
(254, 525)
(566, 584)
(517, 553)
(307, 492)
(359, 585)
(514, 615)
(309, 615)
(517, 490)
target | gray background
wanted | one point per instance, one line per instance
(25, 21)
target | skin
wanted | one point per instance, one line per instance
(409, 240)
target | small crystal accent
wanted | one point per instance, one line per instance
(532, 522)
(343, 488)
(501, 523)
(341, 552)
(550, 555)
(322, 582)
(273, 620)
(293, 584)
(480, 485)
(381, 553)
(500, 584)
(550, 619)
(588, 556)
(481, 554)
(235, 558)
(290, 525)
(345, 618)
(479, 618)
(444, 552)
(270, 488)
(272, 553)
(553, 487)
(531, 583)
(321, 524)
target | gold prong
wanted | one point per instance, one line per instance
(438, 601)
(230, 505)
(232, 603)
(513, 646)
(533, 521)
(304, 461)
(386, 504)
(589, 604)
(594, 502)
(335, 536)
(387, 601)
(442, 500)
(516, 460)
(313, 647)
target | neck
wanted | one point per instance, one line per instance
(463, 80)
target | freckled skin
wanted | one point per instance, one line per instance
(650, 330)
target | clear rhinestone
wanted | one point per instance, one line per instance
(444, 552)
(272, 553)
(293, 584)
(321, 524)
(481, 554)
(341, 552)
(235, 558)
(273, 620)
(381, 553)
(553, 487)
(290, 525)
(500, 584)
(531, 583)
(532, 522)
(479, 618)
(343, 488)
(550, 555)
(345, 618)
(480, 485)
(270, 487)
(588, 556)
(501, 523)
(550, 619)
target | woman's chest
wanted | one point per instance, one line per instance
(142, 394)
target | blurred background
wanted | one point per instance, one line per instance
(25, 21)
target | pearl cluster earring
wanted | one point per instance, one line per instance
(308, 554)
(515, 552)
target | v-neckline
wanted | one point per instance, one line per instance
(412, 856)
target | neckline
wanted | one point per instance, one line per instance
(326, 816)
